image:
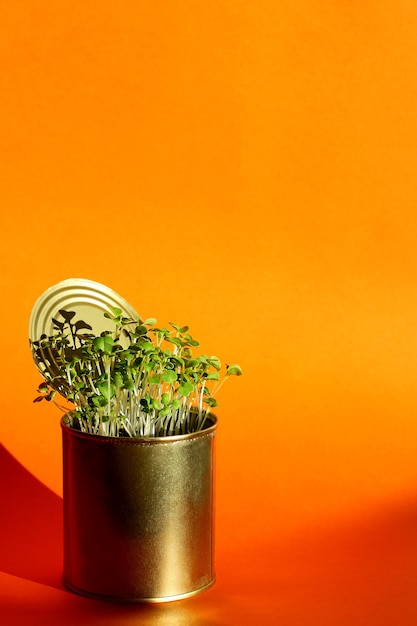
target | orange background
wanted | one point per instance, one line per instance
(247, 168)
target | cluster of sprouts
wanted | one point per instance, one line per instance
(137, 380)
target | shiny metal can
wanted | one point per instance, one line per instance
(138, 515)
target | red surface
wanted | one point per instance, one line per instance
(247, 168)
(358, 573)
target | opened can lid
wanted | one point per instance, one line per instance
(88, 299)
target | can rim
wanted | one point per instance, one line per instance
(209, 429)
(128, 600)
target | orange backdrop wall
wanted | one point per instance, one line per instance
(249, 169)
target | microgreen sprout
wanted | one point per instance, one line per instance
(138, 380)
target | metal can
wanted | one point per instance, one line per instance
(138, 515)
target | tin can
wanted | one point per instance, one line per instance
(138, 515)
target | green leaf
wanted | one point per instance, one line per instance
(99, 401)
(169, 377)
(212, 402)
(98, 343)
(118, 380)
(104, 389)
(104, 344)
(108, 343)
(165, 398)
(157, 404)
(128, 384)
(176, 361)
(191, 341)
(213, 376)
(191, 363)
(215, 362)
(147, 346)
(186, 388)
(150, 321)
(174, 340)
(234, 370)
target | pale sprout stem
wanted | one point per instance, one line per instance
(201, 396)
(69, 375)
(219, 384)
(60, 406)
(108, 389)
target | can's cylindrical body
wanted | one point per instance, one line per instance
(138, 515)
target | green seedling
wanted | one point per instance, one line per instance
(137, 380)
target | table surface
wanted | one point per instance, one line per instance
(350, 574)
